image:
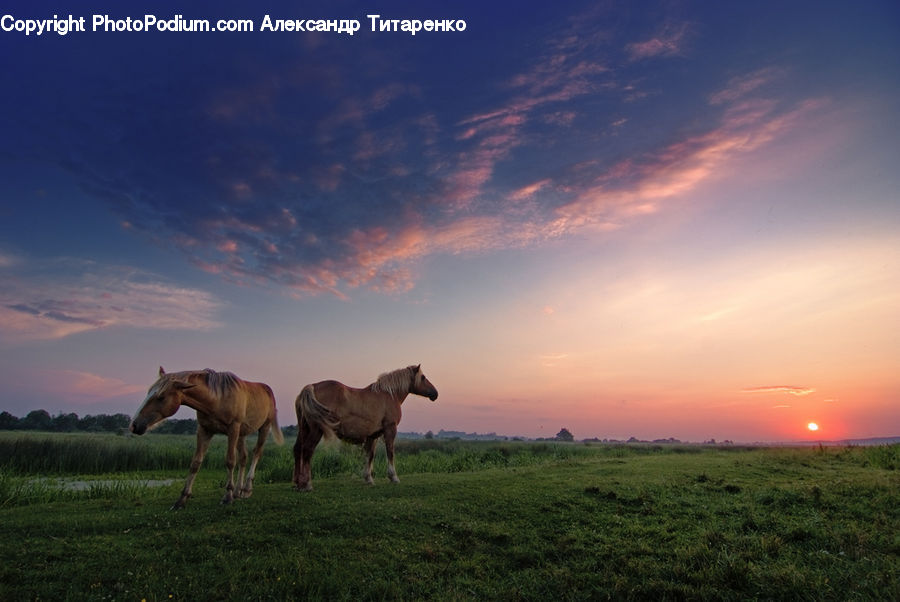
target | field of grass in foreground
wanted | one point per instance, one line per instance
(600, 522)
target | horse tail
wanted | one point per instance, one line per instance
(309, 409)
(276, 430)
(273, 423)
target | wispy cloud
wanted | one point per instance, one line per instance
(352, 186)
(87, 386)
(640, 186)
(669, 41)
(277, 244)
(743, 85)
(552, 360)
(53, 299)
(789, 389)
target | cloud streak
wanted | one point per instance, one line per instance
(670, 41)
(87, 386)
(374, 241)
(789, 389)
(56, 299)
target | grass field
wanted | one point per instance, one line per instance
(469, 521)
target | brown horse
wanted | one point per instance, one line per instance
(224, 404)
(356, 415)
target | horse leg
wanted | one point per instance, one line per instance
(298, 456)
(369, 447)
(389, 434)
(261, 435)
(203, 438)
(309, 446)
(242, 465)
(230, 455)
(308, 437)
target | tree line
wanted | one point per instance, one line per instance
(41, 420)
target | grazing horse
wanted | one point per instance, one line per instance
(224, 404)
(355, 415)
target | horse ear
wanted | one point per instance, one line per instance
(161, 371)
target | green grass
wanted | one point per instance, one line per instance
(484, 521)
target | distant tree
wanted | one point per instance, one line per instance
(177, 426)
(429, 435)
(8, 422)
(564, 435)
(64, 423)
(114, 422)
(37, 420)
(88, 423)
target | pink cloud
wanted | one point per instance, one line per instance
(79, 385)
(558, 78)
(669, 42)
(789, 389)
(228, 246)
(529, 191)
(741, 86)
(601, 199)
(633, 188)
(379, 257)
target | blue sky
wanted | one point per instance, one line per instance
(666, 219)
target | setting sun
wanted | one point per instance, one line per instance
(812, 426)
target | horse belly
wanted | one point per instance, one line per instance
(355, 429)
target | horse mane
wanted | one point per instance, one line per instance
(396, 383)
(220, 384)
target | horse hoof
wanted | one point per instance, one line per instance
(303, 488)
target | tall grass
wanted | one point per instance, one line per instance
(98, 453)
(25, 456)
(425, 456)
(89, 453)
(884, 456)
(83, 453)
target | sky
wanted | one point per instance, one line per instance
(655, 219)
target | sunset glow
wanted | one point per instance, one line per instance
(672, 220)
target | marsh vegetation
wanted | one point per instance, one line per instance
(471, 520)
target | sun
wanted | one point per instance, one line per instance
(812, 426)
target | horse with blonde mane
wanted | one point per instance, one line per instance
(360, 416)
(224, 404)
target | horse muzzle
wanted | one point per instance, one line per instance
(138, 429)
(433, 396)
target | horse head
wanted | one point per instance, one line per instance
(421, 385)
(163, 399)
